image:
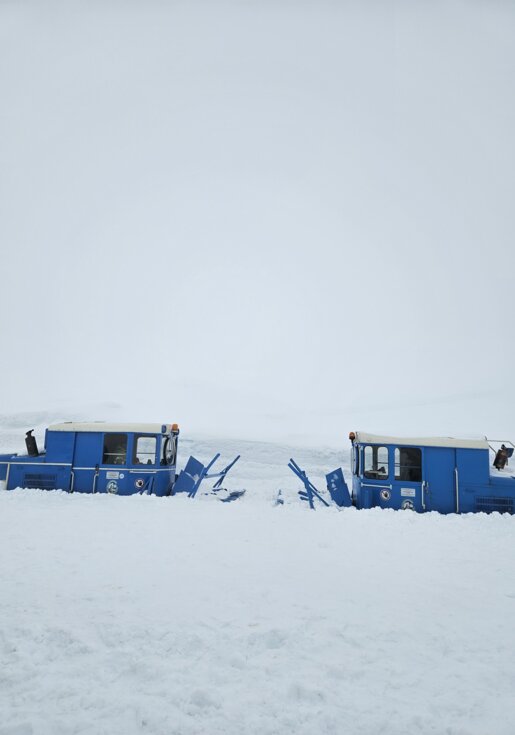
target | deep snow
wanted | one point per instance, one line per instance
(171, 616)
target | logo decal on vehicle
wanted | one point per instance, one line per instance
(112, 487)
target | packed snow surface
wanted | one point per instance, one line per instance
(178, 617)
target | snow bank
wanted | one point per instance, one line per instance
(147, 615)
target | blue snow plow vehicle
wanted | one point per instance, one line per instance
(431, 474)
(442, 474)
(121, 459)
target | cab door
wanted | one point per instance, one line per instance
(375, 487)
(143, 464)
(111, 475)
(409, 488)
(440, 479)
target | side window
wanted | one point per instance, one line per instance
(375, 462)
(145, 450)
(115, 449)
(408, 464)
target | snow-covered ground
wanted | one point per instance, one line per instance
(178, 617)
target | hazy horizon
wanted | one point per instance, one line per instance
(268, 220)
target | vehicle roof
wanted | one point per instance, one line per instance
(103, 426)
(434, 441)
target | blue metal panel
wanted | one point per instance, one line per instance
(405, 495)
(473, 466)
(165, 477)
(190, 477)
(38, 474)
(88, 455)
(84, 479)
(88, 449)
(366, 497)
(59, 446)
(338, 489)
(439, 476)
(113, 481)
(497, 496)
(475, 492)
(4, 461)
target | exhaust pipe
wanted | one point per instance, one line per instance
(32, 447)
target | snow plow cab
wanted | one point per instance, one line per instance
(432, 474)
(121, 459)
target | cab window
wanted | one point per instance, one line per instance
(375, 463)
(408, 464)
(145, 450)
(115, 449)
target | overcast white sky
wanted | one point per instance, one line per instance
(285, 219)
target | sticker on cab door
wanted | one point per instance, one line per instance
(408, 492)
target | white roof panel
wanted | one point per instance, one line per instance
(105, 426)
(433, 441)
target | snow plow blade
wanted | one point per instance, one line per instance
(338, 489)
(191, 477)
(310, 492)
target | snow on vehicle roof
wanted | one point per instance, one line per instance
(104, 426)
(434, 441)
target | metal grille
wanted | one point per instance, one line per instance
(491, 504)
(44, 482)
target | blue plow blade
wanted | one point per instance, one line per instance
(310, 492)
(191, 477)
(338, 489)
